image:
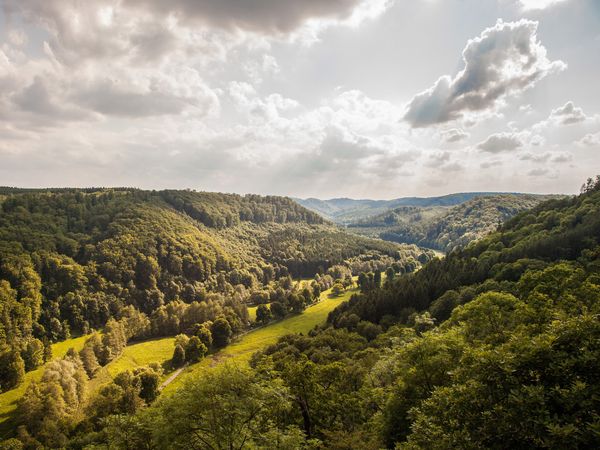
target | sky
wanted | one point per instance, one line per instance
(307, 98)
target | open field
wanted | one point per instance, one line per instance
(8, 400)
(136, 355)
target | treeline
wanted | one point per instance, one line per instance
(226, 210)
(445, 229)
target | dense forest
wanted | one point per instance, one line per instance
(445, 228)
(136, 264)
(496, 345)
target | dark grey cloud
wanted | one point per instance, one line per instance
(500, 142)
(505, 59)
(538, 172)
(110, 99)
(36, 105)
(265, 16)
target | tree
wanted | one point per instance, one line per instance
(149, 381)
(178, 356)
(277, 309)
(114, 341)
(204, 334)
(363, 282)
(12, 369)
(337, 289)
(389, 274)
(297, 303)
(228, 408)
(49, 408)
(263, 314)
(195, 350)
(377, 279)
(221, 332)
(89, 360)
(33, 354)
(11, 444)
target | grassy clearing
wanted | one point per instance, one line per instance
(242, 349)
(136, 355)
(161, 350)
(8, 400)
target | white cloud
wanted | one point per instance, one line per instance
(454, 135)
(568, 114)
(542, 158)
(539, 4)
(590, 140)
(501, 142)
(504, 60)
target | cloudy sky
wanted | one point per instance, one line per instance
(323, 98)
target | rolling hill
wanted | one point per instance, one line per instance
(157, 262)
(443, 228)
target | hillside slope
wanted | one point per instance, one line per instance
(443, 228)
(346, 210)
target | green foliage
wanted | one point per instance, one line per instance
(157, 263)
(444, 228)
(12, 369)
(263, 314)
(48, 411)
(225, 408)
(221, 332)
(195, 350)
(178, 356)
(33, 354)
(495, 346)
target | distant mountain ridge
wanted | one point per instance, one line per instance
(344, 210)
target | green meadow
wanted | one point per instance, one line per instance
(242, 349)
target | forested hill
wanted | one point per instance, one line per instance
(347, 210)
(444, 228)
(495, 346)
(558, 229)
(71, 260)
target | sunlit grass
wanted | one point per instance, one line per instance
(242, 349)
(135, 355)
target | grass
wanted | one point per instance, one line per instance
(8, 400)
(242, 349)
(135, 355)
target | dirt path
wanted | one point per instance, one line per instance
(174, 375)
